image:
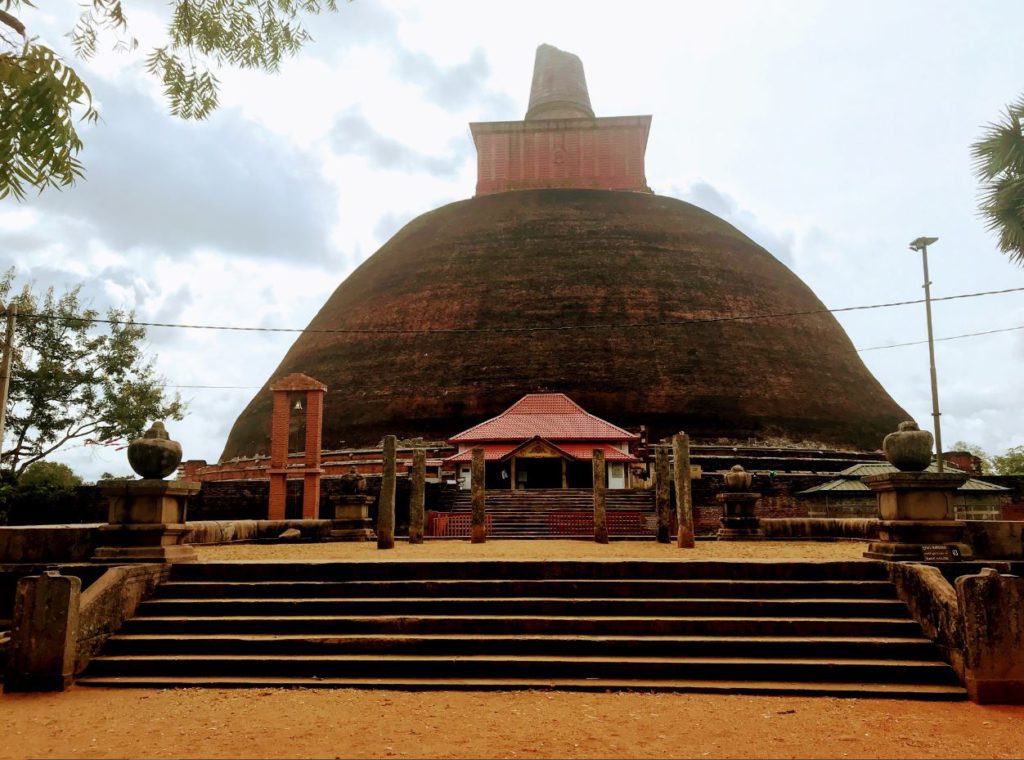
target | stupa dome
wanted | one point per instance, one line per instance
(570, 290)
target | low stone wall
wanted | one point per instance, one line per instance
(48, 543)
(932, 602)
(111, 600)
(820, 528)
(228, 531)
(996, 540)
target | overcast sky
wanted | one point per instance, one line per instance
(831, 133)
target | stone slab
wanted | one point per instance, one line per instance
(992, 606)
(41, 654)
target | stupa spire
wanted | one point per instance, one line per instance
(559, 89)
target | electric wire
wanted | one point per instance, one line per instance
(512, 329)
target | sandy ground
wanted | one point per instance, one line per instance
(197, 723)
(555, 549)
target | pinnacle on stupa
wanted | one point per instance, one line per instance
(559, 89)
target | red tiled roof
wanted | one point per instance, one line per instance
(552, 416)
(494, 452)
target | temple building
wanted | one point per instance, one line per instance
(566, 275)
(544, 440)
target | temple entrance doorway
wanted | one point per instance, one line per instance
(538, 472)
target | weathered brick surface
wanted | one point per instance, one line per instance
(606, 154)
(579, 257)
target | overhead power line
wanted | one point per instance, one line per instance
(951, 337)
(535, 328)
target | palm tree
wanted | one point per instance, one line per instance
(999, 164)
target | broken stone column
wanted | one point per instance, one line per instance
(147, 517)
(684, 494)
(417, 497)
(992, 610)
(915, 507)
(739, 522)
(600, 515)
(44, 636)
(478, 522)
(386, 507)
(662, 493)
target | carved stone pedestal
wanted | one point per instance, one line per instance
(352, 518)
(739, 523)
(147, 521)
(916, 510)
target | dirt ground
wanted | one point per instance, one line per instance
(195, 723)
(458, 551)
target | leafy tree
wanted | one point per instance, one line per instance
(54, 474)
(999, 164)
(970, 448)
(40, 93)
(75, 379)
(1010, 463)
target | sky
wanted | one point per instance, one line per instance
(831, 133)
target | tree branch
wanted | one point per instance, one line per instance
(9, 20)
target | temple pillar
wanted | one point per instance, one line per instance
(684, 495)
(662, 493)
(478, 523)
(600, 513)
(386, 508)
(417, 496)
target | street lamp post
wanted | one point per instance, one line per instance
(921, 244)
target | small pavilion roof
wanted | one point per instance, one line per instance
(551, 416)
(849, 480)
(496, 452)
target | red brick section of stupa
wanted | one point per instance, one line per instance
(648, 288)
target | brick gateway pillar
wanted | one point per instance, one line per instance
(314, 391)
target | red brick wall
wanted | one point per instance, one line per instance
(605, 154)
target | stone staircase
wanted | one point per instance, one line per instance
(704, 626)
(555, 513)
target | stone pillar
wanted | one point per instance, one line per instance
(311, 465)
(417, 496)
(146, 521)
(739, 522)
(352, 509)
(386, 508)
(600, 515)
(41, 654)
(684, 495)
(662, 493)
(992, 609)
(278, 456)
(915, 510)
(478, 523)
(147, 517)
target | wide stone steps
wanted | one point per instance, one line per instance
(526, 625)
(930, 672)
(852, 648)
(558, 513)
(595, 607)
(920, 692)
(655, 588)
(711, 626)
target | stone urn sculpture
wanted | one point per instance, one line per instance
(909, 449)
(154, 456)
(738, 479)
(146, 518)
(739, 523)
